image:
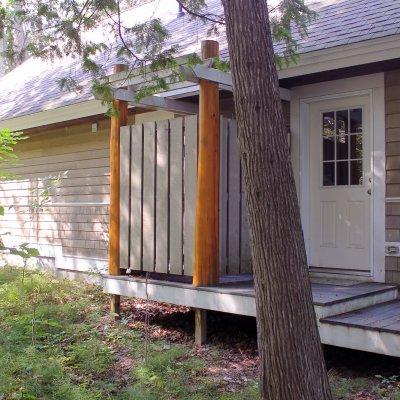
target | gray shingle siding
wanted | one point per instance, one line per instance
(392, 111)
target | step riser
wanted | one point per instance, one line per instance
(355, 304)
(360, 339)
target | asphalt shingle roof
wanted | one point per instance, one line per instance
(33, 86)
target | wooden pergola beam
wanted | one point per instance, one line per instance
(156, 102)
(117, 120)
(224, 79)
(166, 101)
(201, 71)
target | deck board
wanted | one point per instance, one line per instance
(326, 294)
(323, 294)
(383, 317)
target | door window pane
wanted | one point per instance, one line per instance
(342, 147)
(328, 123)
(329, 174)
(342, 122)
(356, 120)
(356, 173)
(329, 148)
(342, 173)
(356, 146)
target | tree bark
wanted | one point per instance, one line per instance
(291, 358)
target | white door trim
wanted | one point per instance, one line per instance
(377, 115)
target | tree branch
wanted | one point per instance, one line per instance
(208, 17)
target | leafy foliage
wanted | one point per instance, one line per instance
(385, 388)
(289, 17)
(91, 355)
(93, 31)
(43, 191)
(36, 370)
(25, 251)
(77, 350)
(8, 139)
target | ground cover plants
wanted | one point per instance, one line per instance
(59, 342)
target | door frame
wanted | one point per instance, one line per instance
(377, 123)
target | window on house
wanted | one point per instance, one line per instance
(342, 147)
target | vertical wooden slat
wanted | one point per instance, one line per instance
(234, 201)
(124, 197)
(176, 193)
(148, 196)
(136, 197)
(206, 261)
(162, 197)
(223, 196)
(190, 181)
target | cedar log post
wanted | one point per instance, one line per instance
(206, 257)
(118, 120)
(206, 254)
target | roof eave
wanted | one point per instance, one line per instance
(353, 54)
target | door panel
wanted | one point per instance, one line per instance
(328, 223)
(340, 188)
(355, 226)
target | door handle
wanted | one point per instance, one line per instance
(369, 191)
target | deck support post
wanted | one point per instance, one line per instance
(206, 256)
(200, 332)
(120, 118)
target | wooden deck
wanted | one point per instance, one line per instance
(323, 294)
(362, 316)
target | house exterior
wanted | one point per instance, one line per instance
(351, 68)
(342, 106)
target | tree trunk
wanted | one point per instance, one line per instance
(291, 358)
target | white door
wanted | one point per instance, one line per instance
(340, 186)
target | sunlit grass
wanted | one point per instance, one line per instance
(57, 342)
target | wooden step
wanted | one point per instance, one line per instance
(375, 329)
(338, 299)
(384, 317)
